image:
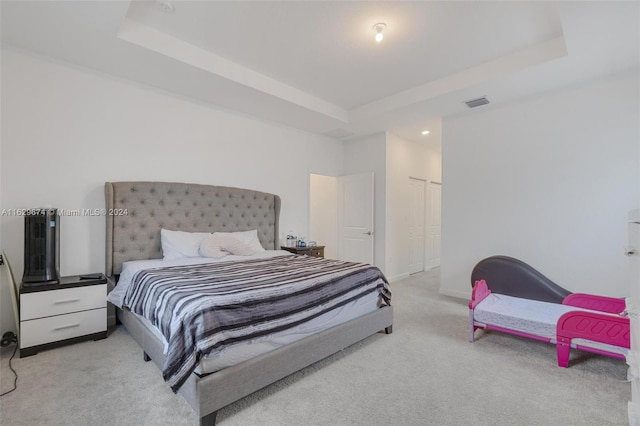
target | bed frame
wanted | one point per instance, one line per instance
(591, 326)
(136, 213)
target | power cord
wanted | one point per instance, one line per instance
(8, 338)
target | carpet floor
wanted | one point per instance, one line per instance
(425, 373)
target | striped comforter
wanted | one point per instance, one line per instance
(202, 309)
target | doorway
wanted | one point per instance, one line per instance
(341, 216)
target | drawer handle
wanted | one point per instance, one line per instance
(59, 302)
(62, 327)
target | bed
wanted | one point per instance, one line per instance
(137, 211)
(587, 322)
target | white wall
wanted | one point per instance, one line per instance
(323, 213)
(548, 181)
(404, 160)
(66, 130)
(368, 155)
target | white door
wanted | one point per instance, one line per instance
(434, 197)
(416, 225)
(355, 218)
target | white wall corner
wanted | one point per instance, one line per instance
(456, 293)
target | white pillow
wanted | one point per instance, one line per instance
(217, 245)
(179, 244)
(250, 238)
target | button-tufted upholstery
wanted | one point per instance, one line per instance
(136, 211)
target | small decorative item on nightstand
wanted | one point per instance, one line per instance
(291, 240)
(70, 311)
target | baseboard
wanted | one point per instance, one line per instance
(456, 293)
(398, 277)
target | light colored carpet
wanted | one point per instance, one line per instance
(425, 373)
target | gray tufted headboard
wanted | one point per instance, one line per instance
(136, 211)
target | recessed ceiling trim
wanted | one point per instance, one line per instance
(517, 61)
(157, 41)
(339, 133)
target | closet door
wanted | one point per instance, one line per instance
(417, 189)
(434, 197)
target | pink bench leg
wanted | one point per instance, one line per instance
(563, 349)
(473, 327)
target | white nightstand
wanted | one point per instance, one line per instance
(73, 310)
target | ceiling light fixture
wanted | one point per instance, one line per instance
(425, 132)
(379, 27)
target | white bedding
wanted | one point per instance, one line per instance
(532, 317)
(129, 269)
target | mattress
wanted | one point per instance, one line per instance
(247, 350)
(523, 315)
(531, 317)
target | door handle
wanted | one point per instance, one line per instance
(630, 251)
(367, 233)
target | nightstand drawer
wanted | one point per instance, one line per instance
(56, 302)
(316, 252)
(45, 330)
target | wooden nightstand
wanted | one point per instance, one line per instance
(52, 315)
(317, 251)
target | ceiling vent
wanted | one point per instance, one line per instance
(477, 102)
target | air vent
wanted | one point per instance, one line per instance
(339, 133)
(477, 102)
